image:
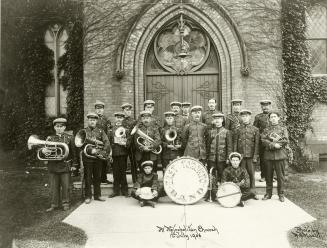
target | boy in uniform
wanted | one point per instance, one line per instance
(247, 144)
(119, 144)
(233, 120)
(59, 171)
(147, 178)
(207, 116)
(239, 176)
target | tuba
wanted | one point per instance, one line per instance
(48, 150)
(93, 148)
(144, 140)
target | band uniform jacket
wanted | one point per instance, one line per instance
(233, 121)
(270, 152)
(153, 132)
(193, 140)
(99, 134)
(117, 149)
(104, 124)
(246, 141)
(147, 180)
(167, 153)
(179, 121)
(261, 121)
(63, 166)
(218, 143)
(236, 175)
(207, 116)
(129, 122)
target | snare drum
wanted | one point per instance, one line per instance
(229, 194)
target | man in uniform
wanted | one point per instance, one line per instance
(179, 121)
(170, 150)
(233, 120)
(207, 116)
(149, 107)
(261, 121)
(59, 171)
(129, 123)
(186, 111)
(93, 165)
(119, 144)
(247, 144)
(105, 124)
(275, 139)
(144, 153)
(193, 136)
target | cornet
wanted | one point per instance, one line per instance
(48, 150)
(145, 141)
(93, 147)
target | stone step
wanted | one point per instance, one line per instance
(107, 189)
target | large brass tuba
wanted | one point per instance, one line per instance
(48, 150)
(93, 147)
(145, 141)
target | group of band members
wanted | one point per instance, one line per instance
(215, 139)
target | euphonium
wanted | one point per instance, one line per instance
(145, 140)
(48, 150)
(93, 147)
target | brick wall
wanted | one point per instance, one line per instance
(256, 20)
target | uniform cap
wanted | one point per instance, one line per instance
(126, 105)
(176, 104)
(265, 101)
(92, 115)
(237, 100)
(149, 102)
(147, 163)
(235, 154)
(196, 108)
(145, 113)
(245, 111)
(59, 120)
(274, 112)
(169, 113)
(98, 103)
(218, 115)
(119, 114)
(186, 104)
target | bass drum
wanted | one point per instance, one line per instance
(186, 180)
(229, 194)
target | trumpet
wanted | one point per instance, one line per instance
(211, 179)
(93, 147)
(145, 141)
(48, 150)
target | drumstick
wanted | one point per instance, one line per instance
(228, 195)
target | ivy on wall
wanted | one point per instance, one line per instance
(29, 66)
(301, 91)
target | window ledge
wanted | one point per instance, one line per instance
(318, 75)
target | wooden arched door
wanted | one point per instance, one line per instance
(172, 77)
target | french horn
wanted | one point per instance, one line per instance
(48, 150)
(145, 141)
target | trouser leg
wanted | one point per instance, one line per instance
(133, 165)
(279, 166)
(246, 194)
(134, 195)
(88, 172)
(97, 167)
(220, 165)
(122, 174)
(262, 161)
(65, 183)
(116, 175)
(269, 176)
(55, 189)
(247, 163)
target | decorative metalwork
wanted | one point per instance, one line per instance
(245, 71)
(159, 90)
(181, 47)
(206, 90)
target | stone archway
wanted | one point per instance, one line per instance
(218, 25)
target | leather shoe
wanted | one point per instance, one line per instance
(266, 197)
(241, 204)
(255, 197)
(126, 194)
(152, 204)
(281, 198)
(262, 179)
(113, 195)
(142, 203)
(87, 201)
(100, 198)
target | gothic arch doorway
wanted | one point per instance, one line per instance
(182, 65)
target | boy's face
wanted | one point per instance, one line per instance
(237, 107)
(128, 111)
(149, 108)
(175, 109)
(218, 121)
(265, 107)
(169, 120)
(274, 119)
(92, 122)
(119, 119)
(146, 119)
(99, 110)
(59, 128)
(235, 162)
(245, 118)
(196, 115)
(212, 104)
(147, 169)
